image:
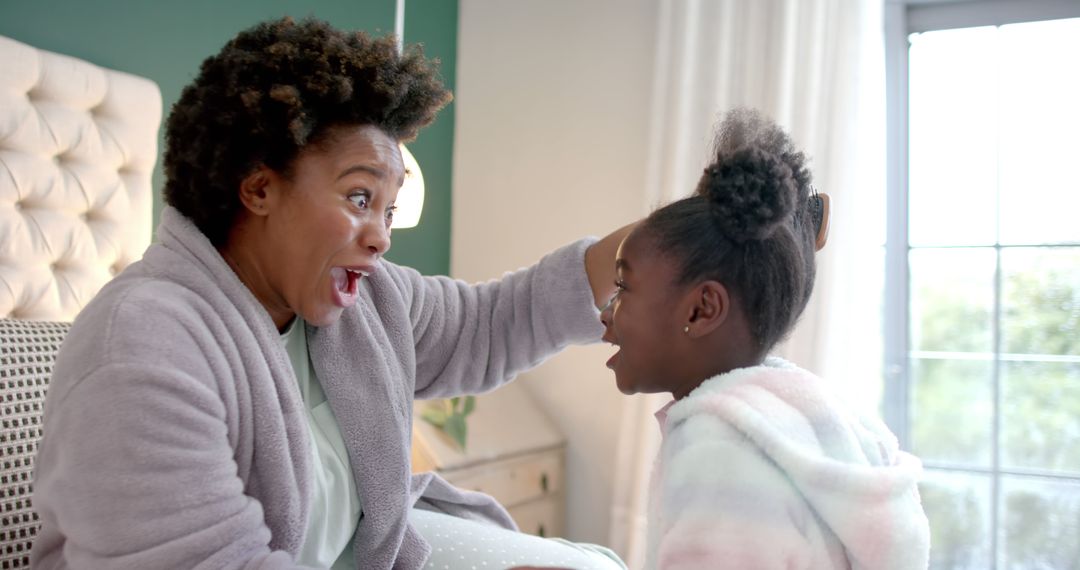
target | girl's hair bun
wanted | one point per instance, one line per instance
(747, 225)
(751, 192)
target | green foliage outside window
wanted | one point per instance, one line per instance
(953, 412)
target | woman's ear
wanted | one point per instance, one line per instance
(256, 190)
(710, 307)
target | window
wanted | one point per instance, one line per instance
(983, 275)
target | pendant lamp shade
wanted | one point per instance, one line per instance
(410, 200)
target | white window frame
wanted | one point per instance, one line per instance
(902, 18)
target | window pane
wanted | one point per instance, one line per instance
(952, 147)
(1039, 119)
(952, 299)
(1041, 301)
(1041, 523)
(952, 411)
(958, 506)
(1041, 415)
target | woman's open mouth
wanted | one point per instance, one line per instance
(346, 284)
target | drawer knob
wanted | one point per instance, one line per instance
(544, 482)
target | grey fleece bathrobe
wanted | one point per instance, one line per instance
(175, 433)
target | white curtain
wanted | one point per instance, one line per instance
(816, 67)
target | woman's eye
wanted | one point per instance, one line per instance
(360, 199)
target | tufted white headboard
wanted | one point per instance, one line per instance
(78, 145)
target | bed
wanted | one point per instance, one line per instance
(78, 144)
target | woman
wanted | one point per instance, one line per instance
(242, 396)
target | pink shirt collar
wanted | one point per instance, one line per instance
(661, 414)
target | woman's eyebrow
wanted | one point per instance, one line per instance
(377, 172)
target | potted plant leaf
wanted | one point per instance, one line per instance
(449, 416)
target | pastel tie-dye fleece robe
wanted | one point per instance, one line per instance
(761, 468)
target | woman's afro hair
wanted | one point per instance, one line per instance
(273, 90)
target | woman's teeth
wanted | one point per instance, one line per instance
(346, 279)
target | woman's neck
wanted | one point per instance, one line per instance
(249, 274)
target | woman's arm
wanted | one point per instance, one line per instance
(139, 465)
(600, 263)
(136, 474)
(471, 338)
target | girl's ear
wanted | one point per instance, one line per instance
(710, 307)
(256, 190)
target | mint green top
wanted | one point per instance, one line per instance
(335, 502)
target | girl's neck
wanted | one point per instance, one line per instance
(722, 365)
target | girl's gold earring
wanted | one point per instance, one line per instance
(686, 329)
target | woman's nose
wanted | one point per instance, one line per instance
(376, 238)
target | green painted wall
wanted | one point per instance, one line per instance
(166, 41)
(434, 24)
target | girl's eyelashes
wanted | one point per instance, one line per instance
(620, 286)
(390, 215)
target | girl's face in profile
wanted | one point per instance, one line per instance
(643, 319)
(325, 225)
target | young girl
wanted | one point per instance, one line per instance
(760, 466)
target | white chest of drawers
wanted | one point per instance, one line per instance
(513, 453)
